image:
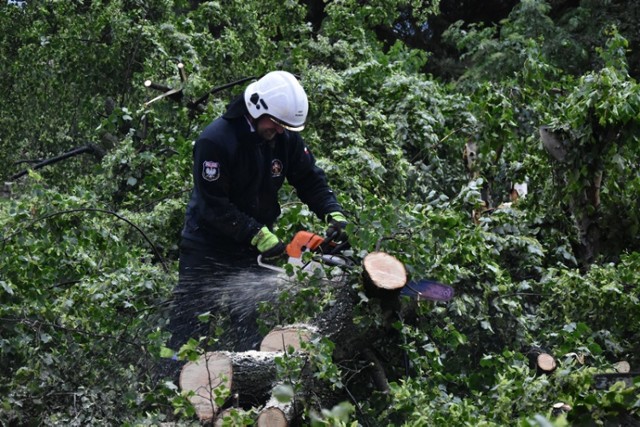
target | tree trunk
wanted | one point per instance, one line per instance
(584, 205)
(251, 376)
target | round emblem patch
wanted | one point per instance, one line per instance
(210, 170)
(276, 168)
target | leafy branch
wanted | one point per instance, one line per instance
(109, 212)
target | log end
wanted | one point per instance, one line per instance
(202, 376)
(384, 271)
(546, 363)
(622, 367)
(272, 417)
(282, 339)
(541, 360)
(560, 408)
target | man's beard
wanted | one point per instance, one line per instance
(267, 134)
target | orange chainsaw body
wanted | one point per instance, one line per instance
(303, 241)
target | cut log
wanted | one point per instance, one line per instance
(622, 367)
(559, 409)
(541, 360)
(276, 414)
(203, 376)
(622, 375)
(546, 363)
(384, 274)
(283, 338)
(272, 417)
(250, 376)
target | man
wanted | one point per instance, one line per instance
(240, 162)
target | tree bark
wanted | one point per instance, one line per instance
(584, 205)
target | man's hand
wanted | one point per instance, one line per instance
(276, 253)
(268, 244)
(337, 223)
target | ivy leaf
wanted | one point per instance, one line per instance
(283, 392)
(7, 287)
(166, 353)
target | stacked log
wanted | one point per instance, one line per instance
(250, 377)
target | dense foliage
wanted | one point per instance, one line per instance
(89, 244)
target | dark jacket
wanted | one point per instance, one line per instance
(237, 176)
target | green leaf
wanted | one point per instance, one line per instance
(166, 353)
(283, 393)
(6, 287)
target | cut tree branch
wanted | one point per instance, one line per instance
(89, 148)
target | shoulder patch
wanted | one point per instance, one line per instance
(210, 170)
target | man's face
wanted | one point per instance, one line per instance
(267, 129)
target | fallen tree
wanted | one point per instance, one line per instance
(247, 379)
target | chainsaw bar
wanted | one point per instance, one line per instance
(428, 289)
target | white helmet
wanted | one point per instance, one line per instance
(279, 95)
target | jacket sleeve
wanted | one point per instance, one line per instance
(212, 165)
(310, 181)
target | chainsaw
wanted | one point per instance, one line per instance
(326, 252)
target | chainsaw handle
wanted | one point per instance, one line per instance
(329, 249)
(329, 238)
(269, 266)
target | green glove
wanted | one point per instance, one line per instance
(268, 244)
(337, 217)
(337, 223)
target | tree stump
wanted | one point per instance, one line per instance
(560, 408)
(384, 274)
(546, 363)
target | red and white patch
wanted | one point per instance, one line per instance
(276, 168)
(210, 170)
